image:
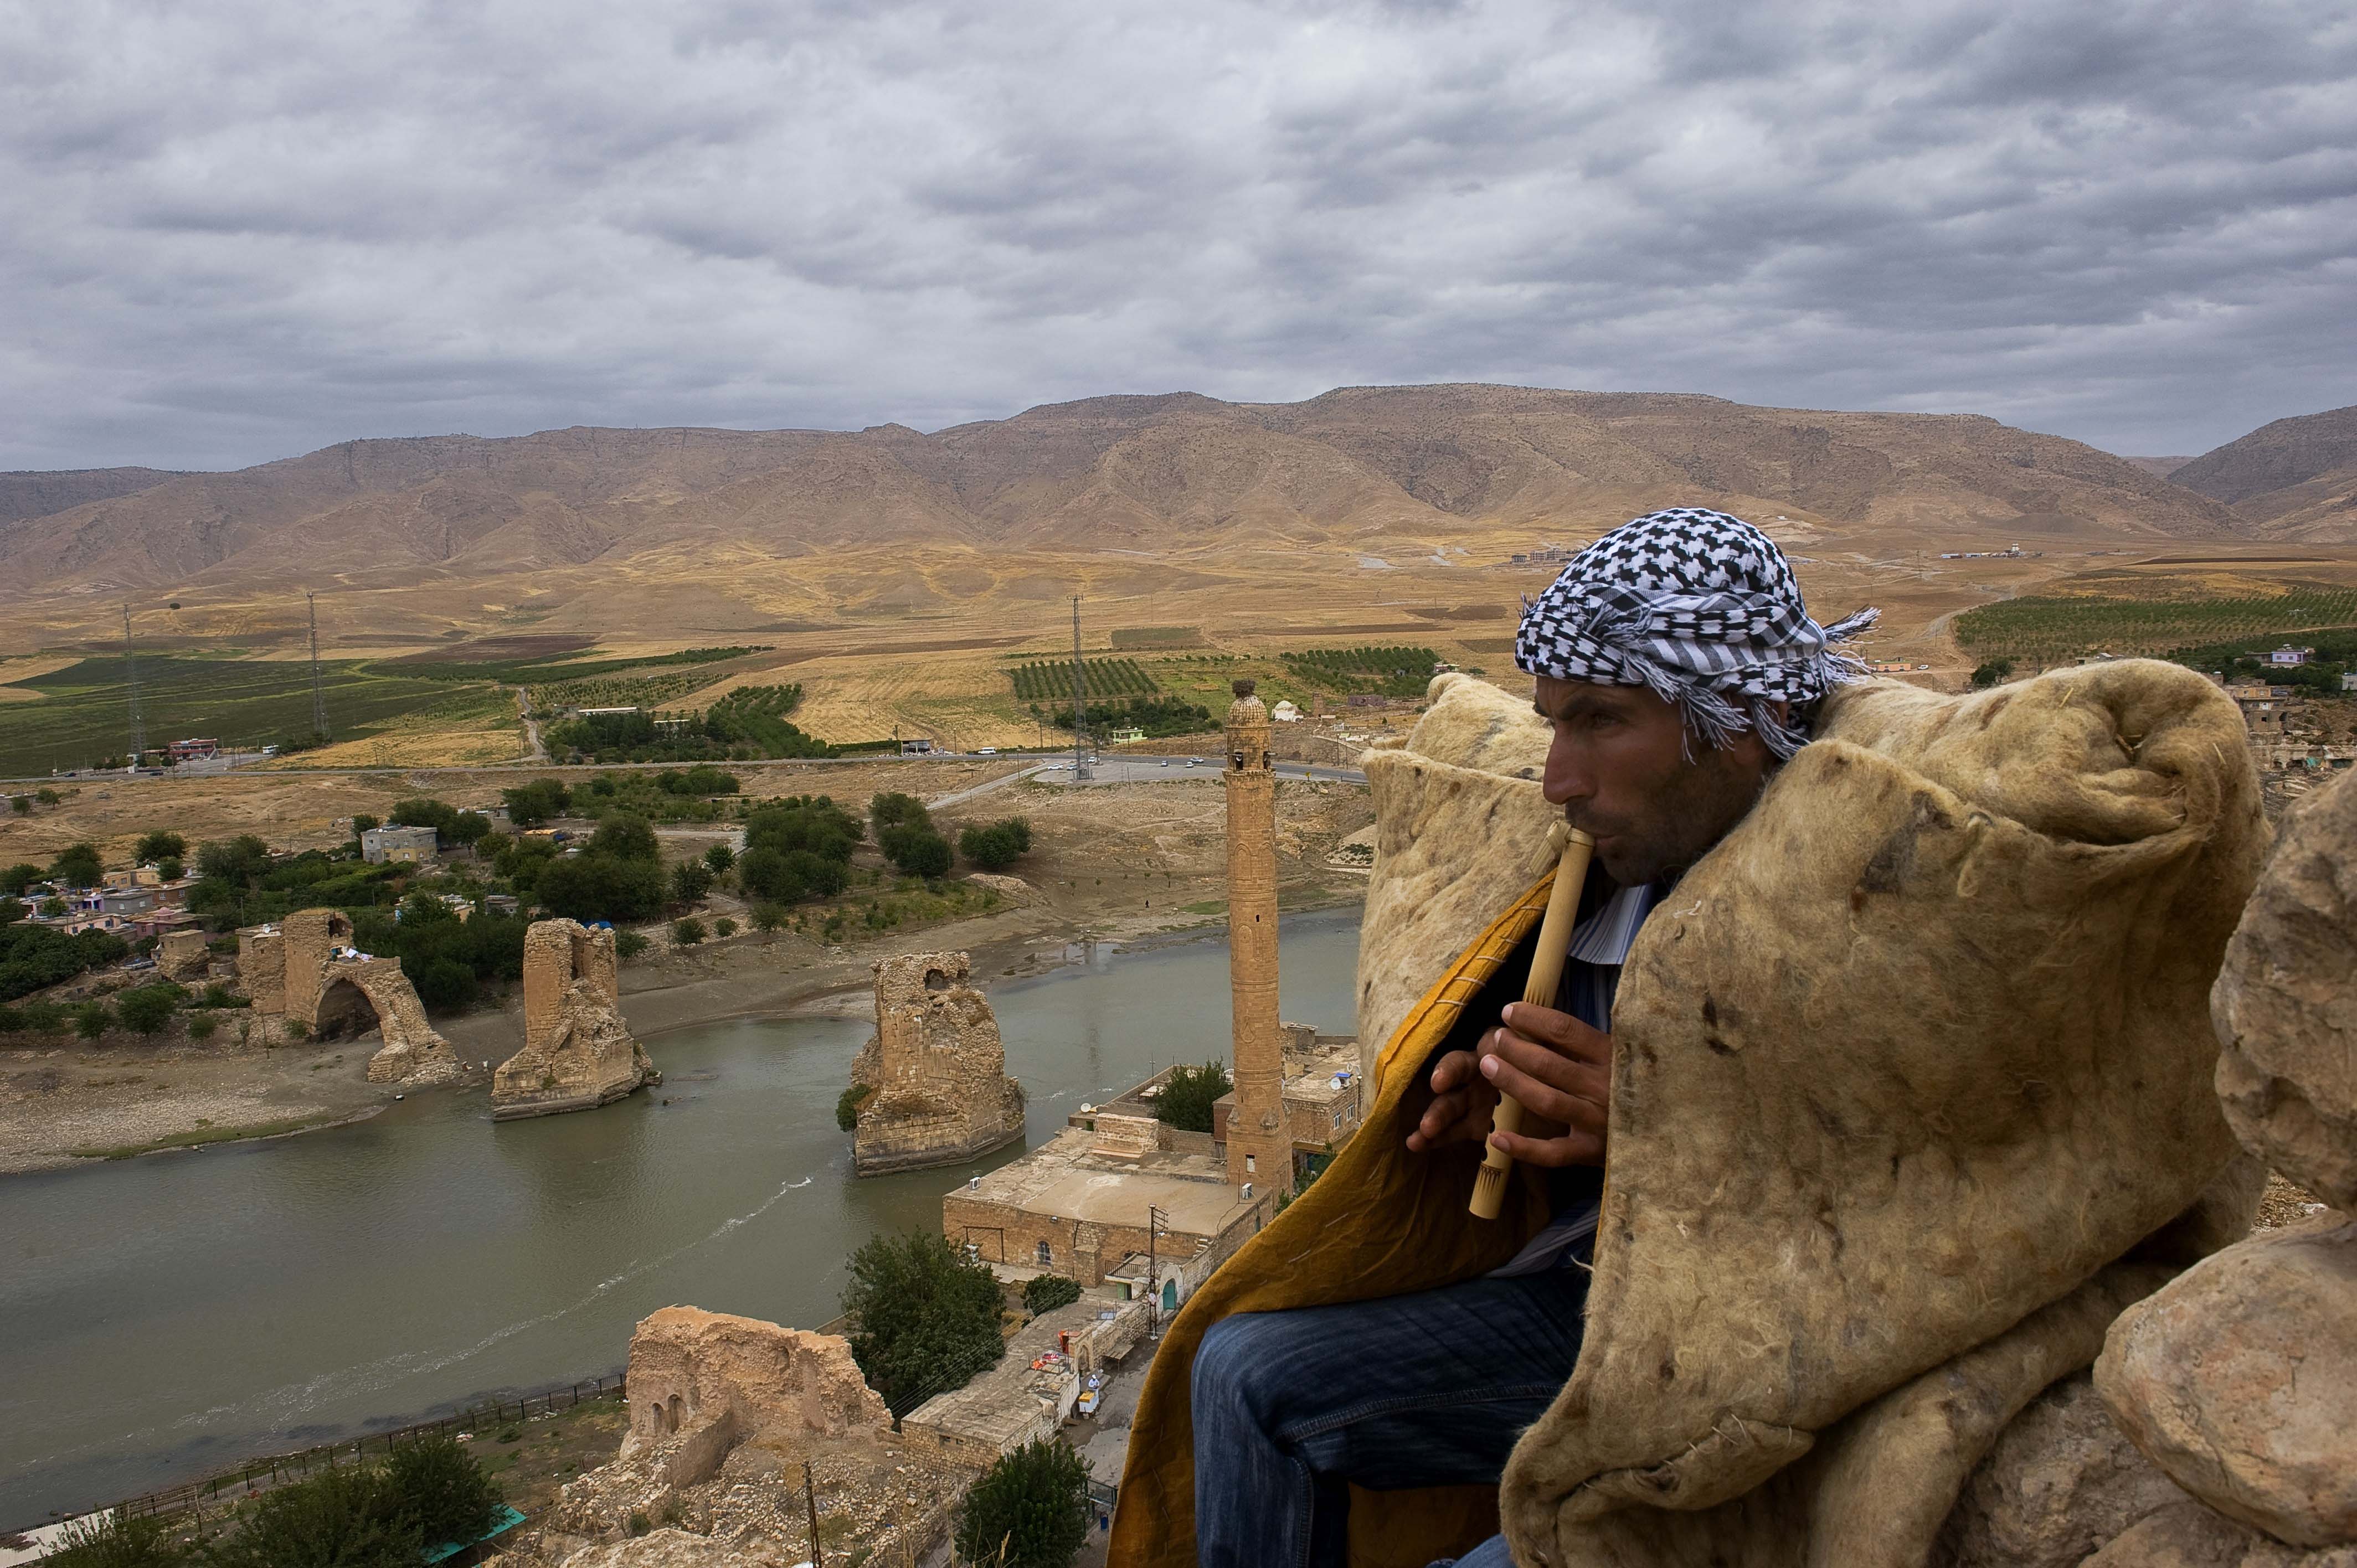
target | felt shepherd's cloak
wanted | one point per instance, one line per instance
(1911, 1095)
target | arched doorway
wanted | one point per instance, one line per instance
(344, 1009)
(1169, 1296)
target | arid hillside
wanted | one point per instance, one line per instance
(1425, 465)
(2293, 480)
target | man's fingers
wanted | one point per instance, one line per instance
(1572, 1148)
(1451, 1071)
(1532, 1062)
(1569, 1092)
(1559, 1030)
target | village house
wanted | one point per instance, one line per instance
(397, 845)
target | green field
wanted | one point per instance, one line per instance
(84, 711)
(2037, 631)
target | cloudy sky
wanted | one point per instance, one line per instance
(244, 229)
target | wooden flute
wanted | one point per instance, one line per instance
(1573, 849)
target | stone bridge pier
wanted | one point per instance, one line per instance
(578, 1053)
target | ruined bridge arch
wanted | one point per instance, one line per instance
(334, 996)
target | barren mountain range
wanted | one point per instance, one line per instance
(597, 528)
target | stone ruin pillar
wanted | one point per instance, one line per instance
(262, 967)
(578, 1052)
(936, 1070)
(1260, 1148)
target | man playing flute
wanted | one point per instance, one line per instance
(1678, 669)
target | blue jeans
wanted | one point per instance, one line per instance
(1291, 1408)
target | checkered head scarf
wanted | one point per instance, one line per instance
(1702, 609)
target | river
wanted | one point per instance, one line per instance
(162, 1316)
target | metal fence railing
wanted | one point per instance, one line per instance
(254, 1476)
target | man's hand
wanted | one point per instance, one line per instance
(1558, 1066)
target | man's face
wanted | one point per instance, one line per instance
(1619, 770)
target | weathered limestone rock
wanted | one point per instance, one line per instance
(2239, 1380)
(2187, 1535)
(181, 955)
(665, 1548)
(578, 1053)
(691, 1369)
(936, 1068)
(2061, 1480)
(2284, 1004)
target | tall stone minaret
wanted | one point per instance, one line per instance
(1259, 1151)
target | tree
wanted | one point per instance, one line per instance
(347, 1517)
(600, 887)
(170, 869)
(627, 837)
(19, 877)
(690, 880)
(76, 866)
(363, 822)
(926, 1317)
(687, 931)
(161, 844)
(811, 822)
(919, 850)
(1187, 1093)
(92, 1019)
(1029, 1510)
(999, 844)
(1994, 672)
(893, 809)
(241, 862)
(723, 927)
(12, 910)
(529, 805)
(767, 919)
(1046, 1292)
(719, 858)
(443, 984)
(21, 804)
(46, 796)
(147, 1008)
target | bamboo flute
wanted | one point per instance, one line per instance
(1574, 848)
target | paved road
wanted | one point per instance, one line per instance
(1133, 769)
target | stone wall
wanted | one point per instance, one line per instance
(182, 955)
(936, 1068)
(578, 1052)
(262, 967)
(690, 1368)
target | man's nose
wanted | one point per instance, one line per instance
(1567, 778)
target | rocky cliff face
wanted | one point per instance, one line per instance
(936, 1070)
(578, 1053)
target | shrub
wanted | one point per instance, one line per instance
(628, 944)
(626, 837)
(170, 869)
(690, 880)
(600, 887)
(19, 877)
(1035, 1501)
(640, 1523)
(443, 1488)
(113, 1541)
(847, 1104)
(1187, 1093)
(44, 1017)
(719, 857)
(927, 1315)
(202, 1025)
(148, 1008)
(1046, 1292)
(687, 932)
(344, 1517)
(893, 809)
(1991, 672)
(12, 910)
(999, 844)
(92, 1019)
(768, 918)
(216, 994)
(723, 927)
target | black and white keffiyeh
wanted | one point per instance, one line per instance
(1702, 609)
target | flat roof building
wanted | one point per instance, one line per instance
(397, 845)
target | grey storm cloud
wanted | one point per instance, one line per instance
(241, 230)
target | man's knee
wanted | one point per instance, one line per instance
(1226, 1364)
